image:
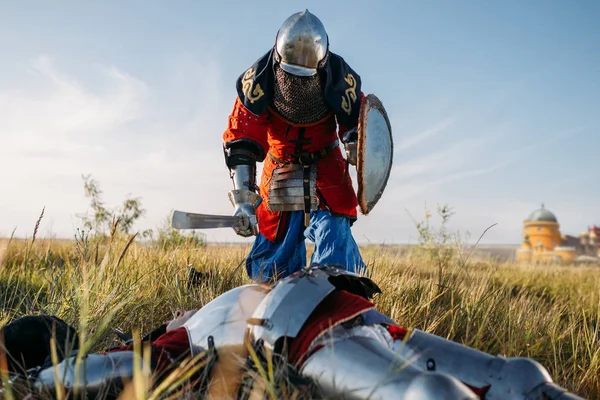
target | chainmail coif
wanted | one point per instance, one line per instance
(299, 99)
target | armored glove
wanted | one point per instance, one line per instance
(244, 199)
(245, 203)
(350, 141)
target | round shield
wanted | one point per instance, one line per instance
(375, 150)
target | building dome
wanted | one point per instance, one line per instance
(542, 215)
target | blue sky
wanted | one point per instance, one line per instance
(495, 106)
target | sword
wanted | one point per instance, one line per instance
(187, 220)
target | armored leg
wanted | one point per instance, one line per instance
(499, 377)
(358, 364)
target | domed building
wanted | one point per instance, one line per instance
(542, 240)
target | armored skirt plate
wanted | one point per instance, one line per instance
(289, 186)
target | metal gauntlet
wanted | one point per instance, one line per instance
(350, 141)
(244, 198)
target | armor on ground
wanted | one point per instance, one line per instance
(96, 375)
(502, 378)
(225, 318)
(357, 364)
(354, 355)
(364, 361)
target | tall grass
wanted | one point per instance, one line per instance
(548, 312)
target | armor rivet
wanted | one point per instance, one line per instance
(430, 365)
(307, 197)
(306, 181)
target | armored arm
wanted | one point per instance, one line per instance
(244, 198)
(95, 375)
(349, 136)
(245, 144)
(350, 140)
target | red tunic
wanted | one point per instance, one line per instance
(276, 136)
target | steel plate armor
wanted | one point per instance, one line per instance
(244, 199)
(290, 186)
(98, 375)
(357, 364)
(350, 358)
(290, 303)
(224, 318)
(505, 378)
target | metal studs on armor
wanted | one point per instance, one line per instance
(430, 365)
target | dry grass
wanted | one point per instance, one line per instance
(3, 249)
(549, 313)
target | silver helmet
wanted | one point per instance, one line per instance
(302, 44)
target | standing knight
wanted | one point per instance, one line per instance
(285, 115)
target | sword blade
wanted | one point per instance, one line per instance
(186, 220)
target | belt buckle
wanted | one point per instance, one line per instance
(305, 158)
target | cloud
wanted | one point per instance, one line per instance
(404, 192)
(442, 160)
(529, 148)
(58, 124)
(426, 134)
(62, 107)
(159, 143)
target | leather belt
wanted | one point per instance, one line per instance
(307, 157)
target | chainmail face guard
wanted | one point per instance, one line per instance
(298, 99)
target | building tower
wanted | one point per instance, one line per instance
(542, 239)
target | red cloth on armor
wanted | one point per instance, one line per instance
(276, 136)
(175, 342)
(338, 307)
(397, 332)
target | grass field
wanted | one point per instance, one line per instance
(550, 313)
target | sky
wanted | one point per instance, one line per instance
(494, 106)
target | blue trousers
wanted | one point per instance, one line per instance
(333, 241)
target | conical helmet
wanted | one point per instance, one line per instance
(302, 44)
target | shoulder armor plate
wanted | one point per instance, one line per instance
(286, 308)
(224, 318)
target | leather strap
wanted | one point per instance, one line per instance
(307, 158)
(307, 199)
